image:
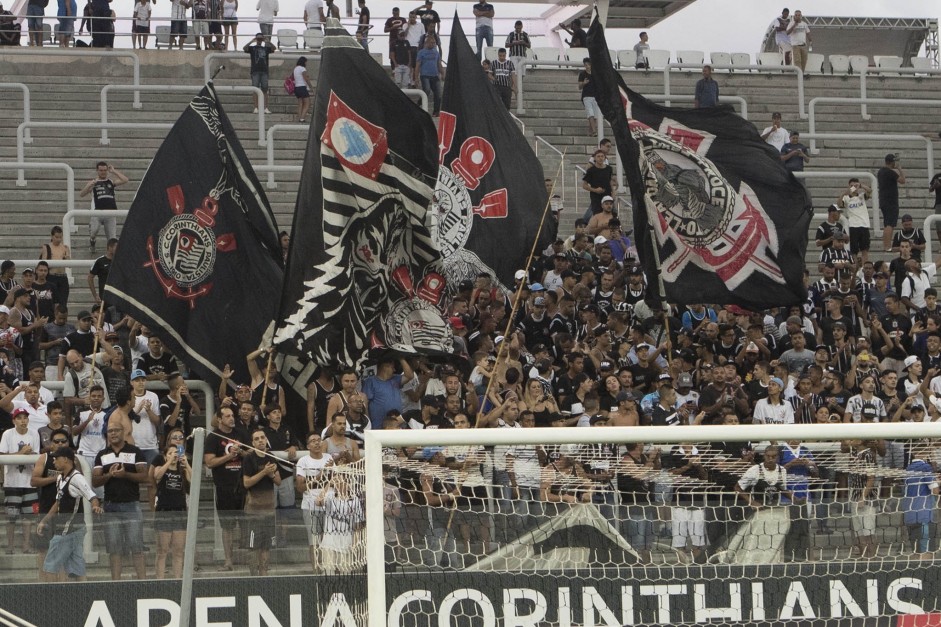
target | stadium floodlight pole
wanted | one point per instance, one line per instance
(192, 523)
(519, 289)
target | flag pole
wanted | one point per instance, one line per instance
(516, 297)
(94, 349)
(661, 289)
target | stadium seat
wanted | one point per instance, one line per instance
(858, 62)
(627, 59)
(839, 64)
(690, 56)
(613, 55)
(770, 58)
(287, 38)
(888, 63)
(740, 59)
(720, 58)
(657, 59)
(814, 63)
(547, 54)
(313, 38)
(490, 53)
(162, 36)
(47, 34)
(920, 63)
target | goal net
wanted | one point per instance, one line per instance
(736, 525)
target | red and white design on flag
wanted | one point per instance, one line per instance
(475, 159)
(360, 145)
(697, 140)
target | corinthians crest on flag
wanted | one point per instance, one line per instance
(199, 257)
(729, 222)
(491, 191)
(363, 271)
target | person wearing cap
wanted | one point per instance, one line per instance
(865, 406)
(773, 410)
(837, 254)
(776, 135)
(429, 416)
(833, 225)
(794, 154)
(599, 221)
(599, 181)
(889, 177)
(147, 410)
(36, 375)
(19, 495)
(853, 203)
(626, 413)
(65, 519)
(31, 403)
(535, 324)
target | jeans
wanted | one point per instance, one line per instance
(484, 33)
(266, 29)
(401, 75)
(921, 534)
(431, 85)
(34, 15)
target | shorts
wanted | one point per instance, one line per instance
(688, 523)
(20, 502)
(591, 106)
(34, 15)
(284, 495)
(66, 26)
(259, 530)
(140, 30)
(301, 92)
(785, 47)
(859, 239)
(215, 27)
(177, 27)
(170, 521)
(863, 521)
(260, 80)
(890, 216)
(66, 552)
(200, 27)
(313, 522)
(124, 528)
(230, 20)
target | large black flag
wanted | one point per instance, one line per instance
(199, 258)
(730, 222)
(363, 270)
(491, 190)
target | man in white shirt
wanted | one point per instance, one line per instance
(776, 135)
(267, 11)
(18, 495)
(31, 404)
(799, 32)
(313, 14)
(918, 277)
(89, 430)
(865, 406)
(856, 213)
(147, 407)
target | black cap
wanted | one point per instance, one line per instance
(84, 314)
(429, 400)
(597, 418)
(64, 452)
(466, 284)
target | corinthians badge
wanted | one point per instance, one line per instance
(184, 254)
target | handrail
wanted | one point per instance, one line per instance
(21, 165)
(518, 121)
(882, 101)
(26, 103)
(864, 72)
(183, 88)
(762, 68)
(929, 147)
(846, 174)
(212, 56)
(421, 96)
(929, 221)
(561, 155)
(271, 168)
(76, 52)
(68, 220)
(743, 104)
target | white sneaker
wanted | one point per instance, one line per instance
(267, 110)
(255, 110)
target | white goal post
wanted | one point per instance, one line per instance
(378, 440)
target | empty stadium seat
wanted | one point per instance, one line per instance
(627, 59)
(770, 58)
(690, 56)
(313, 38)
(162, 36)
(888, 63)
(839, 64)
(47, 33)
(814, 63)
(858, 62)
(545, 54)
(920, 63)
(287, 38)
(490, 53)
(740, 59)
(657, 59)
(720, 58)
(613, 54)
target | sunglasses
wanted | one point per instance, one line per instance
(176, 437)
(60, 441)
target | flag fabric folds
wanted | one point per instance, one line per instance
(728, 220)
(199, 259)
(363, 271)
(491, 190)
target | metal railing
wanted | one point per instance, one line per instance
(846, 175)
(666, 98)
(864, 72)
(21, 165)
(929, 147)
(74, 52)
(909, 102)
(26, 103)
(215, 56)
(179, 88)
(929, 236)
(422, 96)
(270, 166)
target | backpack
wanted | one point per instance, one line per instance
(289, 84)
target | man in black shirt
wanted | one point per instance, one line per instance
(427, 16)
(82, 339)
(121, 468)
(100, 271)
(223, 456)
(158, 363)
(579, 36)
(889, 177)
(102, 188)
(260, 49)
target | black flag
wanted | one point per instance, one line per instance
(491, 190)
(363, 271)
(729, 221)
(199, 260)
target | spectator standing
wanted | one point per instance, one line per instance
(102, 189)
(775, 135)
(600, 183)
(383, 390)
(260, 478)
(429, 18)
(921, 499)
(588, 97)
(215, 25)
(640, 52)
(504, 77)
(313, 14)
(402, 59)
(120, 468)
(794, 154)
(392, 28)
(67, 10)
(935, 186)
(267, 11)
(141, 25)
(579, 36)
(889, 177)
(259, 49)
(56, 250)
(362, 32)
(707, 90)
(799, 33)
(781, 38)
(517, 43)
(224, 453)
(230, 23)
(19, 496)
(310, 480)
(35, 11)
(102, 26)
(483, 18)
(171, 474)
(44, 479)
(853, 203)
(302, 89)
(201, 22)
(413, 33)
(908, 232)
(177, 20)
(429, 72)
